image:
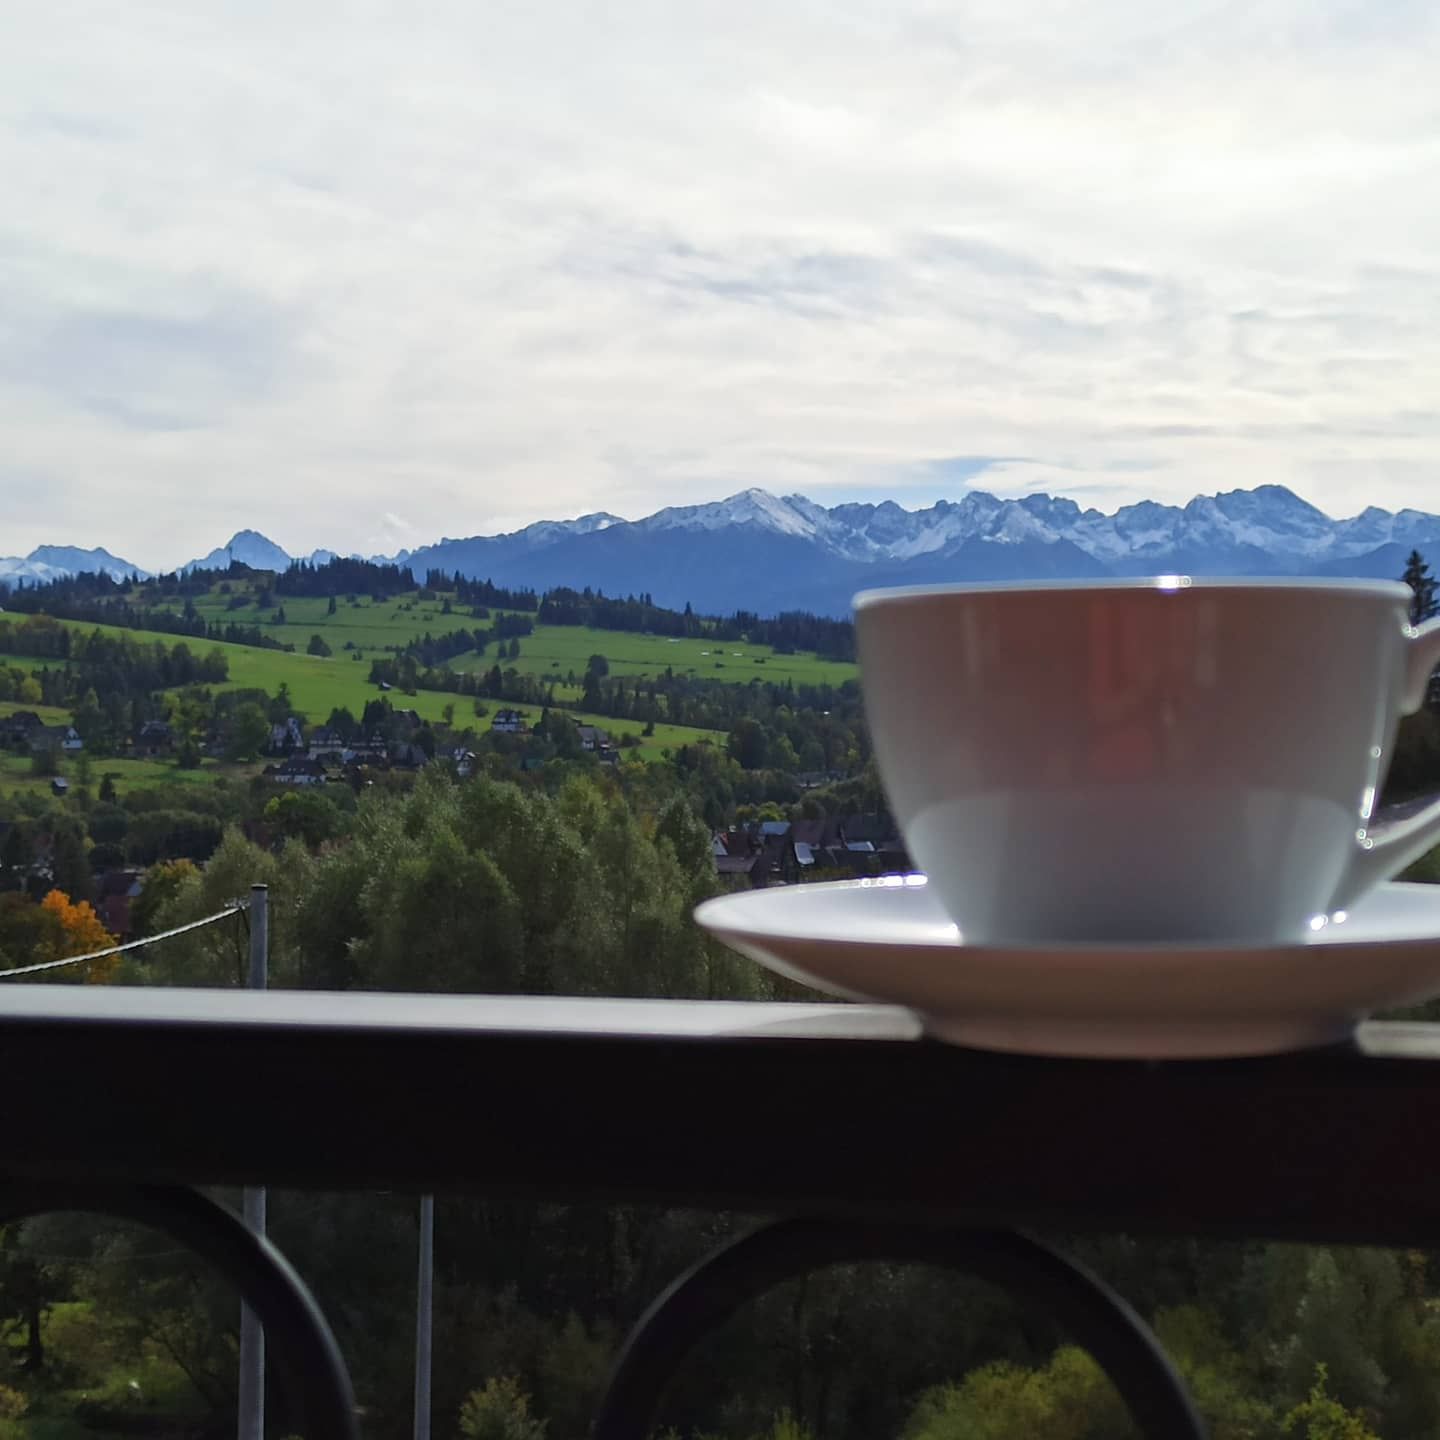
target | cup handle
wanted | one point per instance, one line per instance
(1377, 859)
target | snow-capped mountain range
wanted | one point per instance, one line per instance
(55, 562)
(761, 552)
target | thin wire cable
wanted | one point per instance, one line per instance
(237, 908)
(51, 1258)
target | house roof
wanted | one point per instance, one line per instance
(775, 827)
(735, 864)
(119, 882)
(297, 765)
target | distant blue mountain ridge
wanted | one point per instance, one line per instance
(766, 553)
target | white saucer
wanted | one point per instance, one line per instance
(889, 940)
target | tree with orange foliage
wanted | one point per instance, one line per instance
(80, 932)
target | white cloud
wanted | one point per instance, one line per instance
(306, 270)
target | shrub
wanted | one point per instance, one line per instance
(499, 1411)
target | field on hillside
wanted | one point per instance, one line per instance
(127, 774)
(376, 630)
(319, 685)
(561, 649)
(370, 628)
(50, 714)
(27, 663)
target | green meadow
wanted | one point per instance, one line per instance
(370, 628)
(317, 685)
(15, 773)
(50, 714)
(379, 629)
(561, 649)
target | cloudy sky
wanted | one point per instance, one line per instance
(362, 275)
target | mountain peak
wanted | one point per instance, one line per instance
(245, 547)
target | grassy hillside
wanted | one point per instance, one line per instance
(564, 648)
(377, 630)
(372, 629)
(50, 714)
(362, 630)
(319, 685)
(127, 774)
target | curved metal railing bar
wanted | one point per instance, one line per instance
(713, 1290)
(311, 1367)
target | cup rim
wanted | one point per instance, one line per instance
(1389, 591)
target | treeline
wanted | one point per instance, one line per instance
(787, 633)
(430, 652)
(482, 592)
(351, 576)
(117, 663)
(342, 576)
(110, 684)
(67, 600)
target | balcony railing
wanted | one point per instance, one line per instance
(884, 1142)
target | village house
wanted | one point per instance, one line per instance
(324, 741)
(63, 738)
(154, 739)
(372, 747)
(592, 737)
(17, 729)
(286, 737)
(762, 853)
(359, 753)
(597, 742)
(784, 852)
(115, 892)
(741, 870)
(297, 770)
(508, 722)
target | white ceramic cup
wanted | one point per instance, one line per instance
(1164, 759)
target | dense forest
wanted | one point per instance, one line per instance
(574, 883)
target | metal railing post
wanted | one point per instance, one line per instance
(424, 1298)
(252, 1338)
